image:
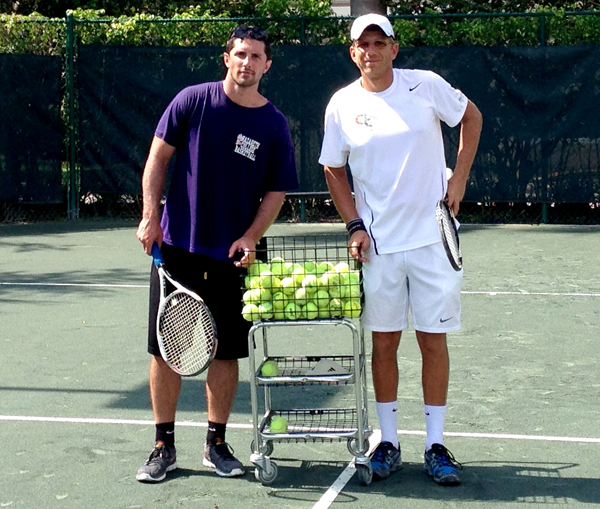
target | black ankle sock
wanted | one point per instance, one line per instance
(165, 433)
(215, 432)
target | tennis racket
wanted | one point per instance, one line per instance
(185, 328)
(449, 234)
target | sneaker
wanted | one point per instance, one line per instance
(220, 457)
(385, 460)
(441, 465)
(162, 460)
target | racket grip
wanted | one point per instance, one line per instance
(157, 255)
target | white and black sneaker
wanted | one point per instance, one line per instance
(162, 459)
(220, 457)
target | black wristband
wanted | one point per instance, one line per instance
(355, 225)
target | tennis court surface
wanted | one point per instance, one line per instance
(75, 419)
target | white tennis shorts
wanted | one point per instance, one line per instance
(421, 281)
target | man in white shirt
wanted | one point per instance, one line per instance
(386, 127)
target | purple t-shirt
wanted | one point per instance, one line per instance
(228, 157)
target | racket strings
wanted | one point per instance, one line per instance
(449, 233)
(187, 331)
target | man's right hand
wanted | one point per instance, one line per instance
(149, 232)
(359, 244)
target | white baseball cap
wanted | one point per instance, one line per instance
(363, 22)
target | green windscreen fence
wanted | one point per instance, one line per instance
(31, 130)
(540, 142)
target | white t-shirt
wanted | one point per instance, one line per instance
(392, 142)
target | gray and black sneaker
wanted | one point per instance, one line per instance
(220, 457)
(162, 459)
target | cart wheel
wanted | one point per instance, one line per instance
(353, 446)
(265, 477)
(266, 450)
(365, 474)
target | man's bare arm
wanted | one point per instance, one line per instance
(153, 183)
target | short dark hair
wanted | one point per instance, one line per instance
(245, 32)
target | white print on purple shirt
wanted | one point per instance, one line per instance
(246, 147)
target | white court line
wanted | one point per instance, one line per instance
(336, 488)
(465, 292)
(523, 292)
(90, 285)
(194, 424)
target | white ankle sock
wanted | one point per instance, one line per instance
(388, 421)
(435, 417)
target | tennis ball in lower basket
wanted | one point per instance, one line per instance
(278, 425)
(269, 368)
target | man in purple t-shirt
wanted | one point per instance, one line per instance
(234, 164)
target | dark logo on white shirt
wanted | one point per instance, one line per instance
(246, 147)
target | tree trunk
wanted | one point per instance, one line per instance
(360, 7)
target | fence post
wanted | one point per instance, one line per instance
(543, 29)
(73, 205)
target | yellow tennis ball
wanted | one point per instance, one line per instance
(287, 286)
(257, 267)
(291, 267)
(269, 281)
(278, 425)
(250, 312)
(278, 267)
(324, 267)
(301, 296)
(310, 267)
(310, 283)
(253, 282)
(292, 311)
(264, 295)
(279, 301)
(310, 311)
(269, 368)
(336, 307)
(342, 267)
(298, 274)
(265, 310)
(331, 279)
(251, 296)
(352, 308)
(321, 299)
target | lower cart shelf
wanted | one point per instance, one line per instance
(312, 424)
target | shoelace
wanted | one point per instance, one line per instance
(380, 454)
(225, 450)
(155, 454)
(447, 459)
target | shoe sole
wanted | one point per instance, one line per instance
(236, 472)
(145, 477)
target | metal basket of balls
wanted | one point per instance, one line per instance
(303, 278)
(310, 281)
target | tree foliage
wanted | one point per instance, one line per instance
(294, 22)
(169, 8)
(485, 6)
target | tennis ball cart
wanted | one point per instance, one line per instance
(306, 282)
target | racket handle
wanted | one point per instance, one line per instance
(157, 255)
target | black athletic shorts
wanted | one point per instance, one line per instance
(219, 284)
